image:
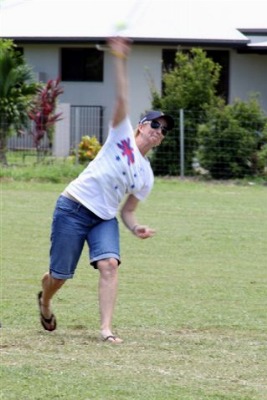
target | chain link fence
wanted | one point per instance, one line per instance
(222, 149)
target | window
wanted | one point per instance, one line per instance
(82, 64)
(219, 56)
(20, 50)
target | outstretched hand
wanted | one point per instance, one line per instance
(143, 232)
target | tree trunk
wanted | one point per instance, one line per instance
(3, 146)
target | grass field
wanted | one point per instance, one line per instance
(192, 304)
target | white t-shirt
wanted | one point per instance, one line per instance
(118, 169)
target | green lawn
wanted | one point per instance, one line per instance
(192, 304)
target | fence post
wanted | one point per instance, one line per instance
(181, 143)
(77, 134)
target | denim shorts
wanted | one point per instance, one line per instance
(72, 226)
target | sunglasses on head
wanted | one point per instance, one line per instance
(156, 125)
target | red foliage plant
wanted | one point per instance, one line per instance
(43, 112)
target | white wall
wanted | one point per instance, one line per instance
(248, 74)
(43, 58)
(145, 67)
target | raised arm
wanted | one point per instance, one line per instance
(120, 49)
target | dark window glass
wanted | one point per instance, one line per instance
(20, 50)
(82, 64)
(221, 57)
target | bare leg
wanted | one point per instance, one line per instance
(50, 286)
(108, 284)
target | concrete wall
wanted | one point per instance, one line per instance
(61, 142)
(248, 74)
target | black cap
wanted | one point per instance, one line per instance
(151, 115)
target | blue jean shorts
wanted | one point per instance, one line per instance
(72, 226)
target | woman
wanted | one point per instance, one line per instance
(86, 210)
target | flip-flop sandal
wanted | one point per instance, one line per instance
(112, 339)
(46, 321)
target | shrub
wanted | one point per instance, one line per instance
(88, 149)
(232, 142)
(43, 111)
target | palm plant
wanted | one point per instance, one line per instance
(17, 88)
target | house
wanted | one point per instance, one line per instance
(66, 39)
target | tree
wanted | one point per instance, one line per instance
(17, 88)
(191, 86)
(42, 112)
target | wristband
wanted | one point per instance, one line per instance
(134, 228)
(118, 55)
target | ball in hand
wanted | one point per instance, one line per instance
(120, 26)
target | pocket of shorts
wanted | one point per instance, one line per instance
(66, 205)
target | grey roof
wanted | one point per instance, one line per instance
(147, 20)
